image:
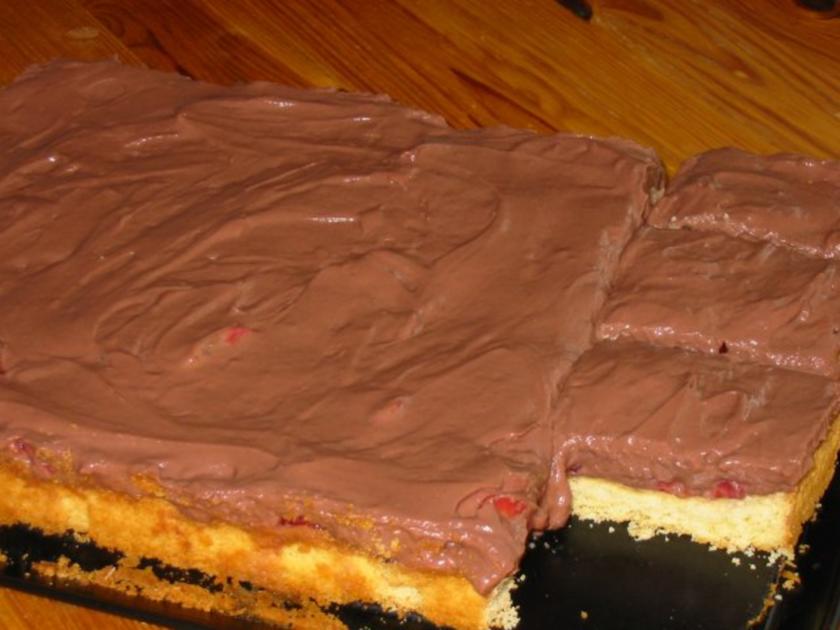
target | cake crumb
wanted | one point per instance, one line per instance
(584, 615)
(777, 597)
(611, 529)
(752, 567)
(736, 561)
(773, 557)
(790, 579)
(804, 548)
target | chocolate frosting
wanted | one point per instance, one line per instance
(327, 316)
(302, 310)
(785, 199)
(716, 294)
(689, 423)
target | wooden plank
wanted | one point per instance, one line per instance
(186, 36)
(23, 611)
(682, 76)
(35, 32)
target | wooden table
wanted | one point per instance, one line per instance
(679, 75)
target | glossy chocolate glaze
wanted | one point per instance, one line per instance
(302, 311)
(785, 199)
(690, 423)
(707, 291)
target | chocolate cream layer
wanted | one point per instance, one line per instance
(689, 423)
(792, 200)
(707, 291)
(312, 313)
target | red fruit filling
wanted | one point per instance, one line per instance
(234, 334)
(727, 489)
(508, 506)
(22, 447)
(297, 521)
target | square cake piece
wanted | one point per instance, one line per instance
(713, 293)
(305, 343)
(792, 200)
(670, 440)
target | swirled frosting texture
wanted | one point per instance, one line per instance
(326, 315)
(690, 423)
(791, 200)
(752, 300)
(299, 309)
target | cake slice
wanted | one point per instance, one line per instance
(303, 343)
(732, 454)
(786, 199)
(707, 291)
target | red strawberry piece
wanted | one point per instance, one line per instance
(671, 487)
(22, 447)
(297, 521)
(508, 506)
(234, 334)
(728, 489)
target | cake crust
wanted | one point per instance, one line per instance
(294, 570)
(771, 522)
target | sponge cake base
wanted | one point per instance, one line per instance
(770, 522)
(289, 581)
(293, 581)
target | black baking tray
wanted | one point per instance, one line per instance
(587, 576)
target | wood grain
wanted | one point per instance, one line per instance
(681, 76)
(35, 32)
(22, 611)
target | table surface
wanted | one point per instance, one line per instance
(681, 76)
